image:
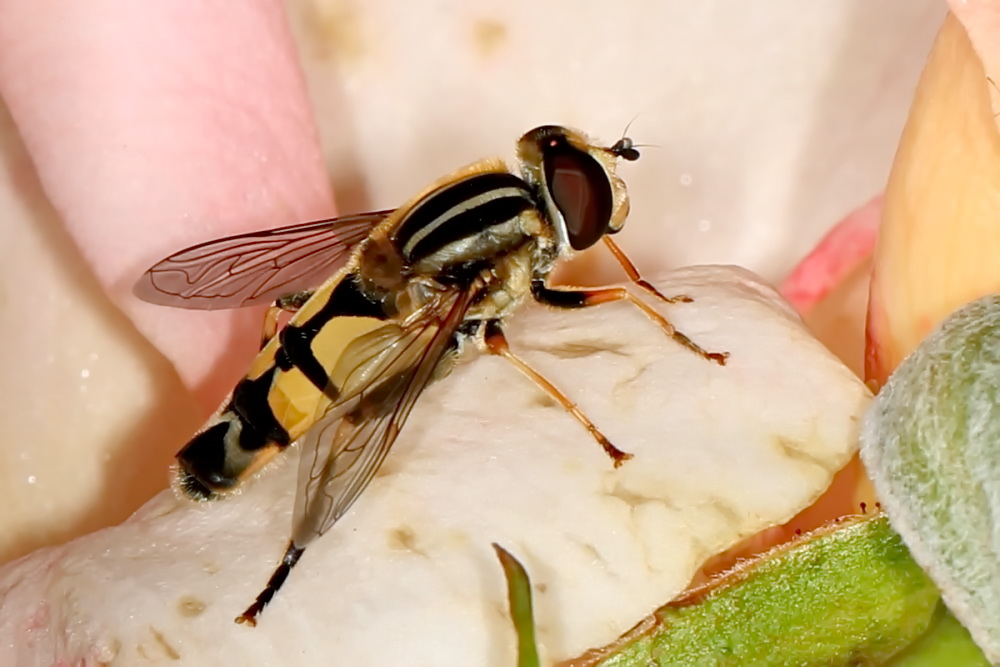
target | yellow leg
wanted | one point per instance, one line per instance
(633, 274)
(290, 303)
(584, 298)
(497, 344)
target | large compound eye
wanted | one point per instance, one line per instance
(581, 190)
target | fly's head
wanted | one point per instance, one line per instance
(583, 196)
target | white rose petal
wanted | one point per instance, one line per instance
(408, 577)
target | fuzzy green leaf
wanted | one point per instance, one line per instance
(845, 595)
(931, 442)
(945, 644)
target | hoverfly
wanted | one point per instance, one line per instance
(421, 283)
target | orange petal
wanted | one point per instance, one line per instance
(939, 244)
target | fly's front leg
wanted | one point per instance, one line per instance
(584, 298)
(633, 275)
(290, 303)
(496, 343)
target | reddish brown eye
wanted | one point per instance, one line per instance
(581, 191)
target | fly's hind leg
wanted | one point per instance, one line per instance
(288, 561)
(496, 343)
(289, 303)
(584, 298)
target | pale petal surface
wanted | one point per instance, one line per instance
(409, 577)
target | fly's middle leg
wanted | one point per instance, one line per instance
(496, 343)
(584, 298)
(289, 303)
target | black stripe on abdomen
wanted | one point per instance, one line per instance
(346, 300)
(250, 402)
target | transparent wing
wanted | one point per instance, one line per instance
(346, 447)
(255, 268)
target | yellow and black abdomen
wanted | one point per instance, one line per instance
(288, 387)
